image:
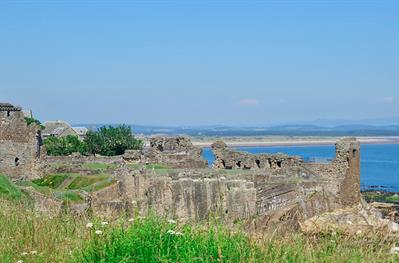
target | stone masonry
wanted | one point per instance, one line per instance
(19, 143)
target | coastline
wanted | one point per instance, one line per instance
(271, 141)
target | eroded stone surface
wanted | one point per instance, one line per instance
(19, 144)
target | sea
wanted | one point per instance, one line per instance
(379, 162)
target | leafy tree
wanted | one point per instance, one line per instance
(110, 141)
(64, 145)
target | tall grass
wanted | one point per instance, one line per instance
(33, 237)
(156, 240)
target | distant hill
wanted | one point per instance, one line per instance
(349, 129)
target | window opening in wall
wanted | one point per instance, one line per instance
(279, 164)
(354, 152)
(257, 163)
(238, 164)
(8, 113)
(16, 161)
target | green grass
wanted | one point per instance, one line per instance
(10, 191)
(155, 240)
(69, 196)
(99, 166)
(378, 197)
(53, 180)
(37, 238)
(83, 181)
(148, 166)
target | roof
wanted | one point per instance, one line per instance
(9, 107)
(55, 127)
(81, 131)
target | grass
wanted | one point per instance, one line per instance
(66, 186)
(53, 180)
(83, 181)
(155, 240)
(10, 191)
(150, 166)
(381, 197)
(33, 237)
(99, 166)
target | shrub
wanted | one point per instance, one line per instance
(64, 145)
(30, 120)
(110, 141)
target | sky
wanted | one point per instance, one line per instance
(200, 62)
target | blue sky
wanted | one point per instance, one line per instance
(200, 62)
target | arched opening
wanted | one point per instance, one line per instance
(16, 161)
(257, 163)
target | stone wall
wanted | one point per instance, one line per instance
(183, 198)
(273, 198)
(226, 158)
(19, 145)
(176, 152)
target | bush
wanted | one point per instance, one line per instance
(30, 120)
(110, 141)
(64, 145)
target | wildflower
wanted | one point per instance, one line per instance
(394, 250)
(98, 232)
(171, 232)
(178, 233)
(24, 253)
(131, 219)
(20, 261)
(89, 225)
(33, 252)
(171, 221)
(104, 223)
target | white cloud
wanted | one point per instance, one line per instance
(249, 102)
(387, 99)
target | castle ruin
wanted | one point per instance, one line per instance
(19, 143)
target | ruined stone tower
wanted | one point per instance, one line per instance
(347, 164)
(19, 143)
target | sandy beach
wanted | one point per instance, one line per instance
(286, 141)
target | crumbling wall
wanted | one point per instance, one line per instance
(19, 145)
(176, 152)
(225, 158)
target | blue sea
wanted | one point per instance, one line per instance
(379, 162)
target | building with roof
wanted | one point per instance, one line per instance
(62, 129)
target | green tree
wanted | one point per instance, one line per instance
(64, 145)
(110, 141)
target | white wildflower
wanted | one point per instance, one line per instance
(33, 252)
(99, 232)
(104, 223)
(24, 253)
(171, 232)
(89, 225)
(171, 221)
(395, 250)
(178, 233)
(20, 261)
(131, 219)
